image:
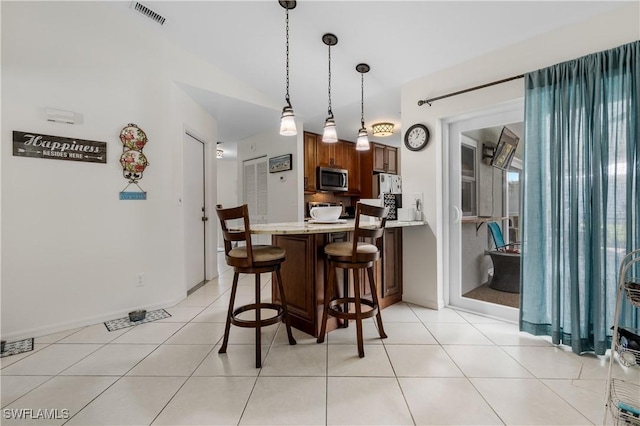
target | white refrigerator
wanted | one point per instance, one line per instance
(388, 188)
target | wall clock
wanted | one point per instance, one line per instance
(416, 137)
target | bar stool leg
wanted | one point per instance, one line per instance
(345, 292)
(258, 325)
(225, 341)
(292, 341)
(374, 294)
(328, 286)
(356, 295)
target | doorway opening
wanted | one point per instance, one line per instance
(195, 211)
(476, 193)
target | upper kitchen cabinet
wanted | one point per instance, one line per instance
(379, 159)
(385, 158)
(309, 150)
(340, 155)
(329, 154)
(352, 164)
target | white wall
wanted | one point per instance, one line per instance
(285, 189)
(70, 248)
(228, 194)
(424, 249)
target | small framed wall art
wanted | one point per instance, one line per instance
(280, 163)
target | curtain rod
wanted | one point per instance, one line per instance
(428, 101)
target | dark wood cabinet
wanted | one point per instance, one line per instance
(385, 158)
(341, 155)
(309, 150)
(392, 160)
(305, 273)
(303, 277)
(379, 159)
(390, 278)
(329, 154)
(352, 164)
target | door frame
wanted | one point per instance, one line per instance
(452, 127)
(209, 196)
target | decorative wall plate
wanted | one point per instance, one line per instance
(133, 161)
(133, 137)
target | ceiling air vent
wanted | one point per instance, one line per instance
(145, 11)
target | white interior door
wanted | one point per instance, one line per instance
(194, 211)
(452, 205)
(255, 193)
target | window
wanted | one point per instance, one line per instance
(513, 188)
(469, 187)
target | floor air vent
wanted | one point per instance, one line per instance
(145, 11)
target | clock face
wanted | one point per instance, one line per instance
(416, 137)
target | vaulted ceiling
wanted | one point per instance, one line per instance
(400, 40)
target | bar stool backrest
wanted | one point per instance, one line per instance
(374, 230)
(231, 236)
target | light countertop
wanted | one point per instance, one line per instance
(319, 228)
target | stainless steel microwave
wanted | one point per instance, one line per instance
(330, 179)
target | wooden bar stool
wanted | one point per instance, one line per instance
(355, 255)
(251, 259)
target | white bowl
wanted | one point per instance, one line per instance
(326, 213)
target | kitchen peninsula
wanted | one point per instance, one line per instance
(304, 272)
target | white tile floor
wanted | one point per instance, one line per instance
(436, 368)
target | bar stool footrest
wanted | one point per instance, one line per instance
(334, 308)
(263, 321)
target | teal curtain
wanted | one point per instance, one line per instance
(581, 195)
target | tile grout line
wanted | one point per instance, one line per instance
(135, 365)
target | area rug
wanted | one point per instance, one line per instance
(120, 323)
(487, 294)
(14, 348)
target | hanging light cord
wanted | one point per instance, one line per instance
(330, 112)
(362, 99)
(287, 37)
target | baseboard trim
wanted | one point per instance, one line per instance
(420, 301)
(70, 325)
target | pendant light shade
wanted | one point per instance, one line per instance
(362, 143)
(288, 122)
(288, 118)
(330, 134)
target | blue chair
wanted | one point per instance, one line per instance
(506, 262)
(498, 240)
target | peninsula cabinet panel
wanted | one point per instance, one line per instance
(387, 271)
(305, 272)
(298, 271)
(391, 271)
(309, 149)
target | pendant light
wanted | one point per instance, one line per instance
(329, 134)
(362, 143)
(287, 120)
